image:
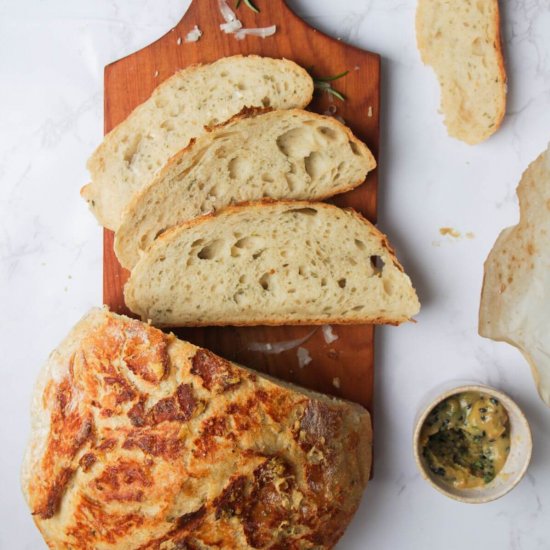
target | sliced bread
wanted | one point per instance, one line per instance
(284, 154)
(178, 110)
(515, 301)
(461, 41)
(140, 440)
(272, 264)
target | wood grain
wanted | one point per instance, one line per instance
(344, 367)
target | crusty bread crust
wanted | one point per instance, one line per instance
(469, 115)
(127, 159)
(143, 441)
(409, 301)
(141, 222)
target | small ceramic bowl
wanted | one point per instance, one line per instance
(514, 469)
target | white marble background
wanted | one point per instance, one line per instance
(51, 65)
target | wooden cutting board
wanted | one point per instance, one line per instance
(343, 367)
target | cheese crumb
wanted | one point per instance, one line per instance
(303, 357)
(193, 35)
(336, 382)
(328, 334)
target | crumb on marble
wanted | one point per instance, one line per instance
(450, 232)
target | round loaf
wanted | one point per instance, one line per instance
(143, 441)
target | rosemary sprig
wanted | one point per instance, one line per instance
(249, 4)
(324, 84)
(331, 78)
(326, 87)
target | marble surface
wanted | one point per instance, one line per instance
(51, 66)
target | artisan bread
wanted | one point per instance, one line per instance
(284, 154)
(143, 441)
(515, 300)
(461, 41)
(270, 264)
(178, 110)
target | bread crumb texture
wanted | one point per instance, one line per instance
(272, 263)
(179, 110)
(461, 40)
(284, 154)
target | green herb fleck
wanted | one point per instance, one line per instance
(331, 78)
(487, 478)
(324, 84)
(249, 4)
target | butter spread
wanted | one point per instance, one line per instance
(466, 439)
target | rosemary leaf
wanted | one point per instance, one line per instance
(336, 93)
(324, 84)
(331, 78)
(326, 87)
(252, 6)
(249, 4)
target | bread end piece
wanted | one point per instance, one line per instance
(463, 45)
(515, 299)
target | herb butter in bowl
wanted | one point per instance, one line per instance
(472, 443)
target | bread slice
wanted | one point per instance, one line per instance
(461, 41)
(285, 154)
(178, 110)
(515, 301)
(141, 440)
(272, 264)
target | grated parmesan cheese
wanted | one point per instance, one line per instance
(303, 357)
(193, 35)
(262, 32)
(328, 334)
(234, 26)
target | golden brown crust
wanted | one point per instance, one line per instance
(156, 444)
(501, 65)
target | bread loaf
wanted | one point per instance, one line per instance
(515, 299)
(178, 110)
(143, 441)
(284, 154)
(272, 264)
(461, 41)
